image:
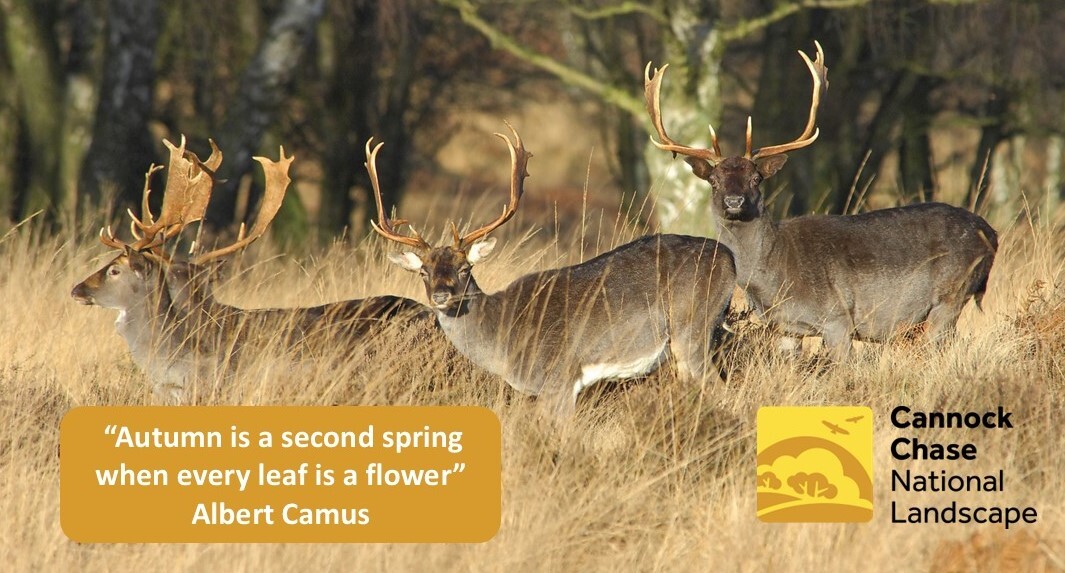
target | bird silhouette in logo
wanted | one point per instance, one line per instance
(834, 428)
(855, 419)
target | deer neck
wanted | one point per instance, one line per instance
(753, 244)
(144, 324)
(474, 327)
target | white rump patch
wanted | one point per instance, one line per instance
(639, 366)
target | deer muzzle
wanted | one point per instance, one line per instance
(441, 299)
(733, 204)
(81, 294)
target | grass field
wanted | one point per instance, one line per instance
(655, 475)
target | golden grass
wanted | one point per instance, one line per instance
(655, 475)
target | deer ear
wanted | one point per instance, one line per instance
(700, 167)
(408, 260)
(189, 285)
(480, 250)
(137, 261)
(769, 166)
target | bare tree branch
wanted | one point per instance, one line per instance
(745, 28)
(630, 102)
(622, 9)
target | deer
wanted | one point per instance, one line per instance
(175, 328)
(870, 276)
(553, 333)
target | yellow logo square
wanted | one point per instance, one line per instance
(815, 464)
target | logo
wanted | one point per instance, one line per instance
(815, 464)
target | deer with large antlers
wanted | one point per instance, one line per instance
(868, 276)
(556, 332)
(175, 328)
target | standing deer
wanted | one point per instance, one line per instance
(556, 332)
(868, 276)
(175, 329)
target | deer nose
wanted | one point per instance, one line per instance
(734, 202)
(440, 298)
(81, 295)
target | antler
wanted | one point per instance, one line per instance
(519, 161)
(277, 181)
(387, 227)
(188, 189)
(107, 237)
(820, 76)
(652, 93)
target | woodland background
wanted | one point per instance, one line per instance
(928, 100)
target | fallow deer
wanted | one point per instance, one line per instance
(868, 276)
(554, 333)
(175, 328)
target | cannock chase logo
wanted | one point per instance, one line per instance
(815, 464)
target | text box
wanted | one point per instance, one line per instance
(280, 474)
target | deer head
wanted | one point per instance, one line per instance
(735, 181)
(137, 271)
(129, 277)
(446, 270)
(143, 265)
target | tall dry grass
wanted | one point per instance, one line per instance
(654, 475)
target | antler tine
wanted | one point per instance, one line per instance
(387, 227)
(215, 159)
(652, 92)
(146, 221)
(519, 161)
(747, 146)
(107, 237)
(820, 80)
(277, 181)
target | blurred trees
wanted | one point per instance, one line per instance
(88, 88)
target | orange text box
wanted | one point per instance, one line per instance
(280, 474)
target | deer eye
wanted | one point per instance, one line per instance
(464, 271)
(114, 271)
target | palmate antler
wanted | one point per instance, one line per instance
(519, 161)
(653, 92)
(188, 190)
(185, 198)
(277, 181)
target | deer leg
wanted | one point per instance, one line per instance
(838, 338)
(561, 405)
(942, 323)
(790, 346)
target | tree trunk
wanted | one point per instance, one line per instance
(348, 102)
(878, 141)
(392, 127)
(691, 100)
(35, 67)
(9, 140)
(121, 147)
(263, 86)
(915, 149)
(1055, 181)
(991, 135)
(781, 107)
